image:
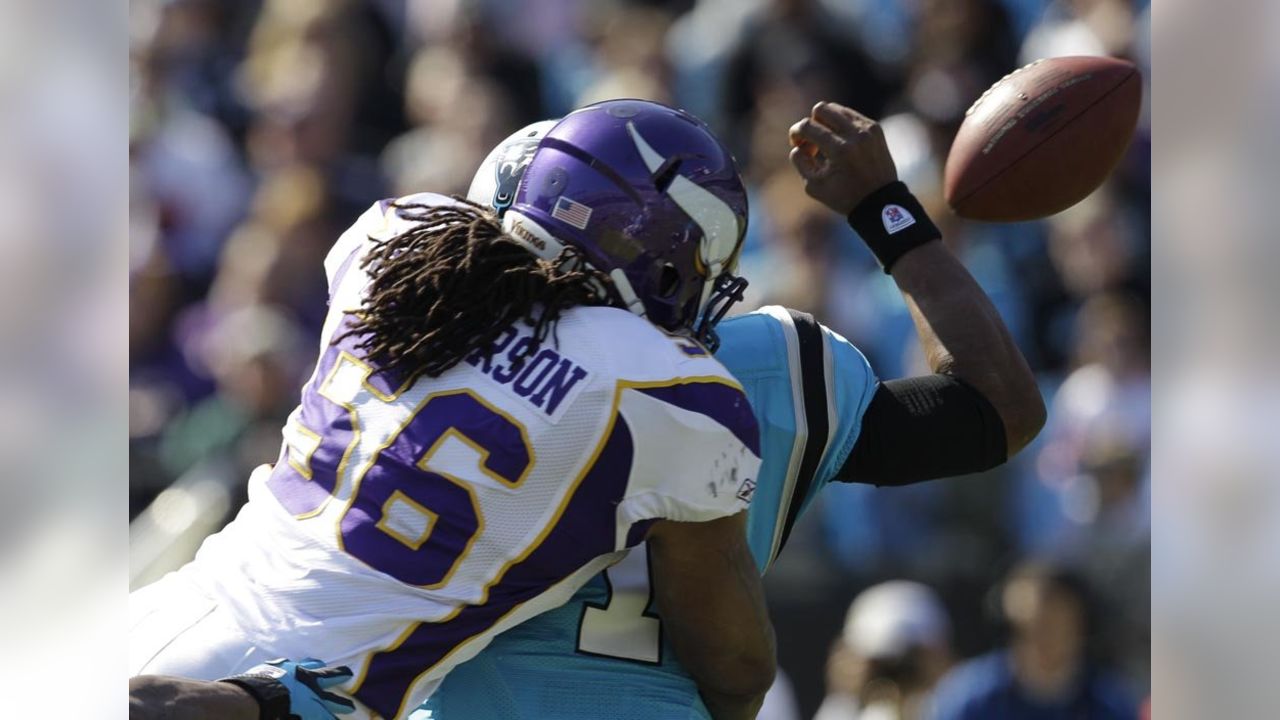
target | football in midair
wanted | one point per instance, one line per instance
(1043, 138)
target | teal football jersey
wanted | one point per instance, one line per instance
(603, 654)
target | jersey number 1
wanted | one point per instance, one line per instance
(624, 627)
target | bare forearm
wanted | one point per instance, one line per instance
(708, 591)
(725, 707)
(962, 335)
(160, 697)
(733, 676)
(735, 658)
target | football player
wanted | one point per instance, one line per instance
(450, 474)
(823, 415)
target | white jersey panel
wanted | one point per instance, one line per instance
(673, 446)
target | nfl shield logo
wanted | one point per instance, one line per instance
(895, 218)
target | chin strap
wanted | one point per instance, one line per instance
(628, 294)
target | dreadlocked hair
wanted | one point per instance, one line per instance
(451, 284)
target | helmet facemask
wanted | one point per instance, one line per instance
(725, 291)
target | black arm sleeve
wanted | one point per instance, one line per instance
(924, 428)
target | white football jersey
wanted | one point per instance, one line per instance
(404, 526)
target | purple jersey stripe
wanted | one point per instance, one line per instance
(299, 494)
(342, 271)
(584, 531)
(725, 404)
(637, 533)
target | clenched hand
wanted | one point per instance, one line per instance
(841, 155)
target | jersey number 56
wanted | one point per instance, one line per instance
(402, 515)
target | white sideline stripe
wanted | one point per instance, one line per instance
(828, 368)
(802, 425)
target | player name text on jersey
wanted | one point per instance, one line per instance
(544, 380)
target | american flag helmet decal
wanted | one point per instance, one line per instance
(572, 212)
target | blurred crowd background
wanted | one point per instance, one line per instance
(260, 129)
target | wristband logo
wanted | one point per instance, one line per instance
(895, 218)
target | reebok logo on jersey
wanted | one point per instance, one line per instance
(895, 218)
(746, 490)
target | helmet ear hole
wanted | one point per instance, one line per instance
(668, 280)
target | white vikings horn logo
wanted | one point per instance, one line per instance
(716, 219)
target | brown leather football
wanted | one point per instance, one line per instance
(1043, 138)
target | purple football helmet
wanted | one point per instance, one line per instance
(649, 196)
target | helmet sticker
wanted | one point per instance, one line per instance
(497, 180)
(572, 212)
(510, 169)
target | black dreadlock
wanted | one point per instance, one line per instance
(452, 283)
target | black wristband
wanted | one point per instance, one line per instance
(891, 222)
(271, 694)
